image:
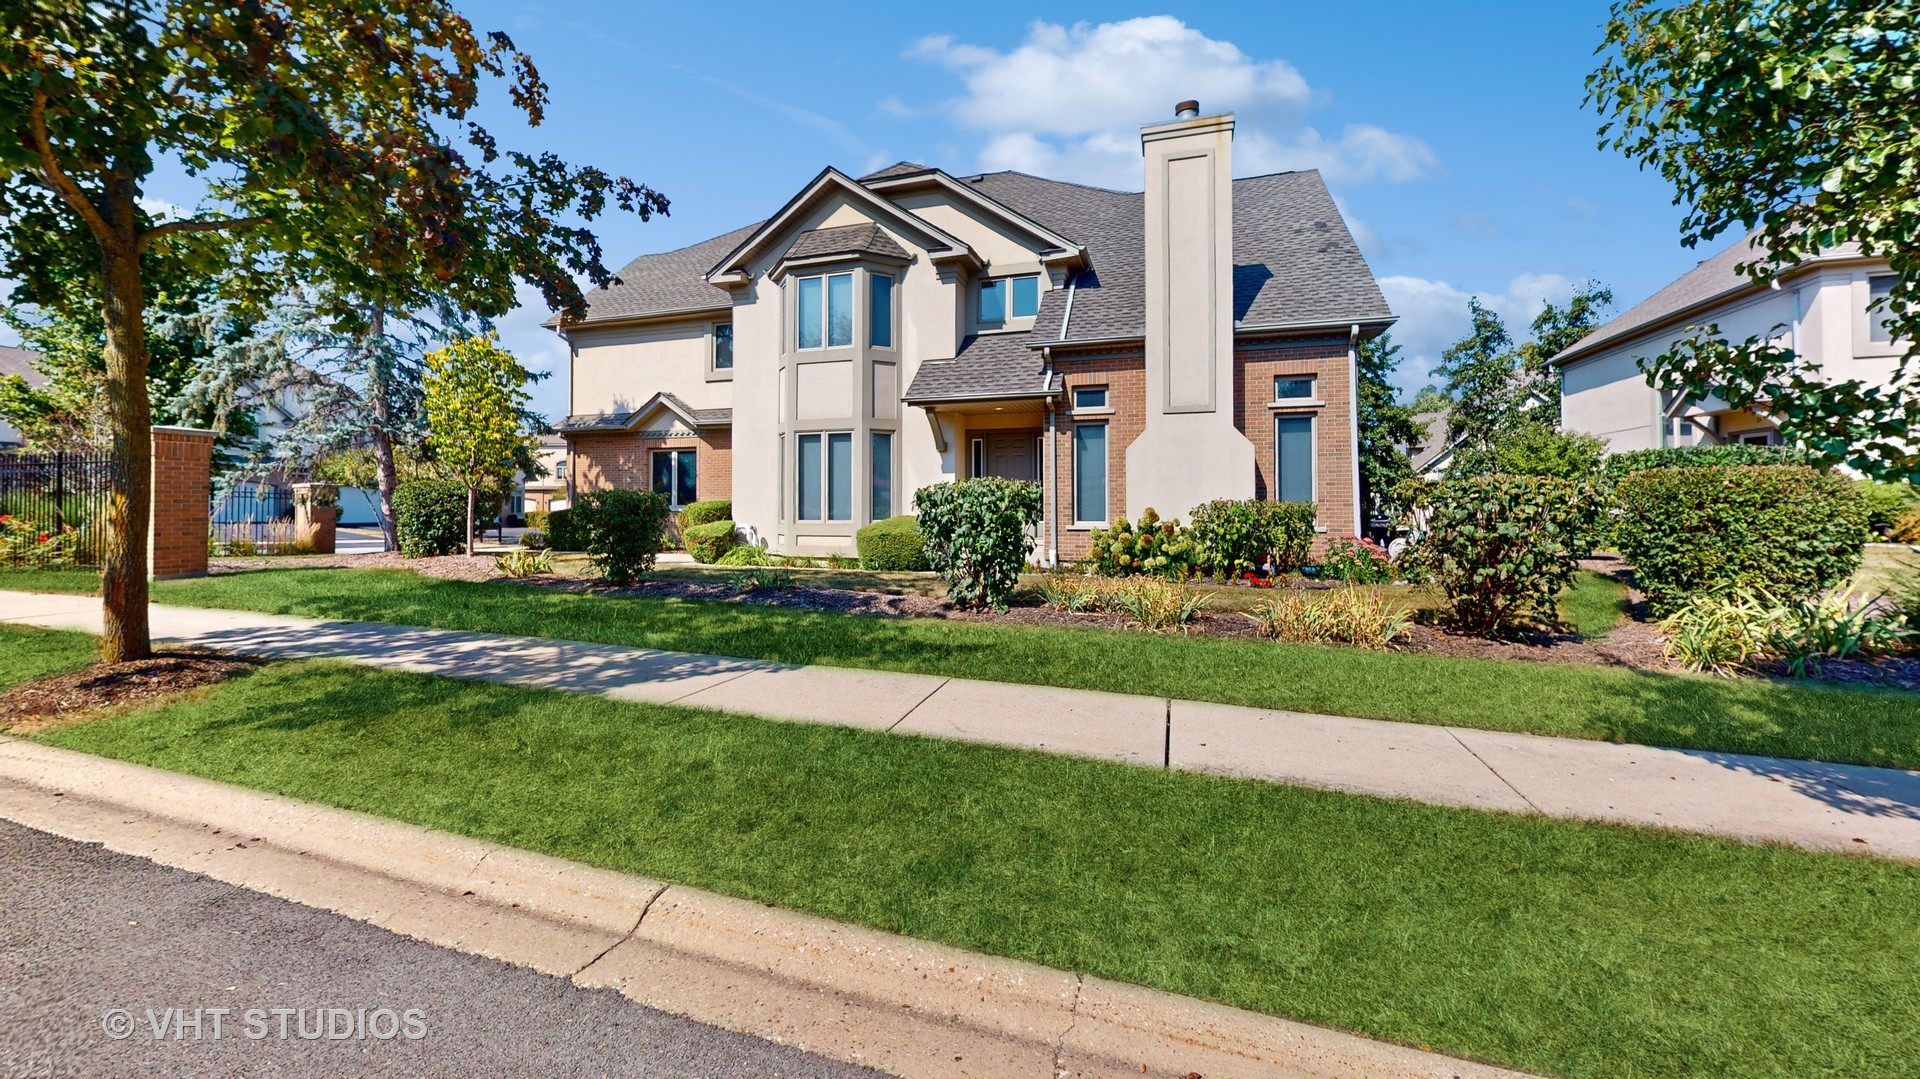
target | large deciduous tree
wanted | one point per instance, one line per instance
(1794, 119)
(336, 144)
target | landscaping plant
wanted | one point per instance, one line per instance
(1502, 548)
(622, 531)
(763, 580)
(1724, 633)
(524, 563)
(1235, 537)
(1356, 561)
(977, 535)
(534, 539)
(563, 534)
(707, 542)
(699, 513)
(1732, 455)
(1151, 603)
(431, 516)
(1350, 616)
(892, 544)
(1788, 529)
(1153, 547)
(745, 554)
(1733, 631)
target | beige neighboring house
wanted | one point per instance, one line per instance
(550, 491)
(876, 335)
(18, 361)
(1818, 309)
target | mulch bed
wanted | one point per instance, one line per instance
(62, 700)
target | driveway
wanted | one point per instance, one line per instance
(94, 941)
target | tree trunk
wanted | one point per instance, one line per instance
(130, 433)
(379, 386)
(469, 520)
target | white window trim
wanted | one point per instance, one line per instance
(1313, 459)
(976, 458)
(1311, 399)
(1297, 404)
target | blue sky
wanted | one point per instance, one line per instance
(1452, 135)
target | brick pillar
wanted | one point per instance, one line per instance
(182, 490)
(316, 508)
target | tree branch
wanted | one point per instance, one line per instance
(201, 224)
(56, 177)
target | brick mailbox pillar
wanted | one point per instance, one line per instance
(182, 493)
(316, 508)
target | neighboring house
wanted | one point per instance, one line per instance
(550, 491)
(1429, 458)
(18, 361)
(1818, 309)
(878, 335)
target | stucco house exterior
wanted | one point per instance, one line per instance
(1818, 309)
(877, 335)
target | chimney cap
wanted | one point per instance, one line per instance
(1186, 110)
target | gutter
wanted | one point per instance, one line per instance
(1050, 474)
(1353, 416)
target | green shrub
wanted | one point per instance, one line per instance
(699, 513)
(1349, 616)
(563, 534)
(892, 544)
(1903, 594)
(1234, 537)
(1887, 504)
(1356, 561)
(977, 535)
(534, 539)
(1736, 455)
(431, 516)
(763, 580)
(1538, 450)
(1152, 547)
(622, 531)
(707, 542)
(524, 563)
(1502, 548)
(1726, 632)
(1785, 528)
(537, 519)
(745, 554)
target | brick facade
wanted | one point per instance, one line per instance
(1326, 361)
(1125, 378)
(623, 460)
(182, 494)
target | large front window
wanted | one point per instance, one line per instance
(824, 464)
(1293, 453)
(675, 475)
(1090, 473)
(824, 311)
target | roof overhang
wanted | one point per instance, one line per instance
(1054, 247)
(986, 403)
(659, 402)
(676, 314)
(941, 245)
(786, 266)
(1343, 328)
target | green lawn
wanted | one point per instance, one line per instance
(27, 654)
(81, 582)
(1578, 950)
(1691, 711)
(1595, 605)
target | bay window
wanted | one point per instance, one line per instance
(823, 311)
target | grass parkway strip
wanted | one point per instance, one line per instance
(1569, 949)
(1878, 727)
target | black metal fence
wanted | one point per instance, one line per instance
(53, 507)
(253, 517)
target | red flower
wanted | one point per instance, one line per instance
(42, 539)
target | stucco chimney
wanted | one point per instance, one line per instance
(1190, 450)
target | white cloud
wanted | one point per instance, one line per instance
(1069, 102)
(1433, 315)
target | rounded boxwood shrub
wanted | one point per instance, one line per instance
(1501, 548)
(622, 531)
(892, 544)
(1788, 529)
(707, 542)
(977, 534)
(431, 517)
(699, 513)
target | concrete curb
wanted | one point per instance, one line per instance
(906, 1006)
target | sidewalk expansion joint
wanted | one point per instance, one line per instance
(1518, 793)
(918, 703)
(1166, 749)
(625, 937)
(716, 685)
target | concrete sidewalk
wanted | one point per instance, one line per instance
(1801, 803)
(908, 1007)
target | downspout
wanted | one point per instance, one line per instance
(1353, 416)
(1050, 473)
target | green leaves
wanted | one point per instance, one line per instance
(1502, 548)
(978, 533)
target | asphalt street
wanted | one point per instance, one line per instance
(112, 965)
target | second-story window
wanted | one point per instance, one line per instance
(1002, 298)
(723, 346)
(1293, 388)
(879, 310)
(824, 311)
(1879, 287)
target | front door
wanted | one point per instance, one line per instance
(1013, 457)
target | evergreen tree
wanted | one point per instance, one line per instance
(1385, 425)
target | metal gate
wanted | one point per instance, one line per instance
(53, 507)
(253, 517)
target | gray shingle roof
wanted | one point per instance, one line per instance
(1712, 279)
(863, 239)
(898, 168)
(616, 421)
(668, 281)
(19, 361)
(988, 365)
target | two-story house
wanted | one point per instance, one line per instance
(1818, 308)
(876, 335)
